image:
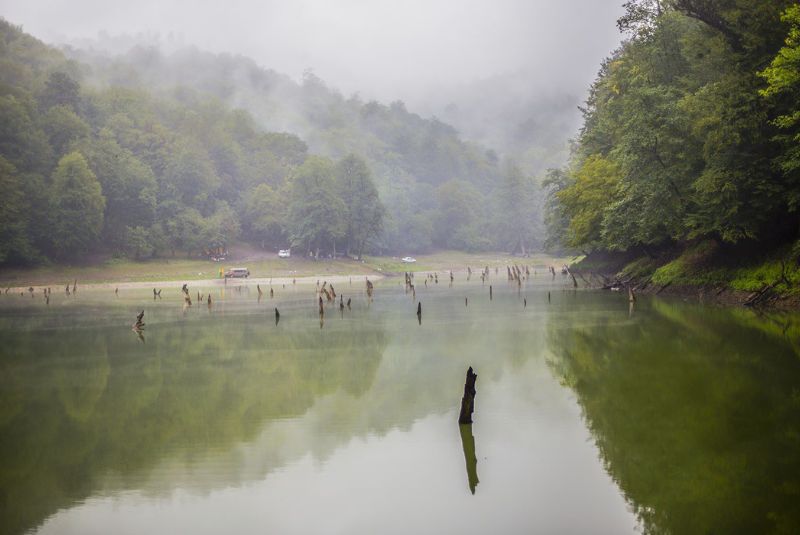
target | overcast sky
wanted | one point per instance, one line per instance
(386, 49)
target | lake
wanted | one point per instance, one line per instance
(591, 416)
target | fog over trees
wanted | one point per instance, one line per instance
(140, 138)
(143, 143)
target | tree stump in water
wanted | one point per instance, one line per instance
(139, 325)
(468, 401)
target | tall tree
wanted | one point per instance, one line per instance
(14, 241)
(363, 209)
(519, 215)
(78, 206)
(316, 212)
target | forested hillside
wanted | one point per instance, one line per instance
(149, 154)
(690, 133)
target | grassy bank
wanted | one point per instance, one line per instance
(265, 265)
(735, 274)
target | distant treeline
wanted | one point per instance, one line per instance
(144, 155)
(691, 131)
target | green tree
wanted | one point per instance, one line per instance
(459, 217)
(78, 206)
(60, 89)
(316, 212)
(14, 240)
(592, 191)
(63, 127)
(363, 209)
(189, 176)
(128, 185)
(783, 87)
(264, 215)
(519, 214)
(138, 243)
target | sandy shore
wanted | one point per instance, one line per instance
(250, 281)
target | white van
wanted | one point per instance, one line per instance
(239, 272)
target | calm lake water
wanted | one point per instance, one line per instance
(590, 417)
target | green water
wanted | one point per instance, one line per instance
(591, 417)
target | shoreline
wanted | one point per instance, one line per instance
(144, 285)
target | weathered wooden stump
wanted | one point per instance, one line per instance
(139, 325)
(468, 401)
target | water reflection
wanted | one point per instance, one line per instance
(694, 411)
(696, 414)
(468, 445)
(77, 405)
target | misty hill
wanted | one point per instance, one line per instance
(145, 154)
(397, 143)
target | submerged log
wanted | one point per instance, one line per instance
(468, 400)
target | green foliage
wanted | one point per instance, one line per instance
(181, 171)
(316, 213)
(78, 206)
(783, 88)
(264, 215)
(137, 242)
(681, 111)
(60, 90)
(14, 242)
(585, 200)
(363, 209)
(63, 128)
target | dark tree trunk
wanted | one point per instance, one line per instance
(468, 401)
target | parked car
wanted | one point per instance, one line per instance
(408, 260)
(284, 253)
(235, 273)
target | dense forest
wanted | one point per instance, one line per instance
(691, 133)
(146, 153)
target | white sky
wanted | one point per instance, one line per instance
(386, 49)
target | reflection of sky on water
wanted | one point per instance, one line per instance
(540, 470)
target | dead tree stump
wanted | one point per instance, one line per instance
(468, 401)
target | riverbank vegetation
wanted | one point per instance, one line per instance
(687, 168)
(146, 155)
